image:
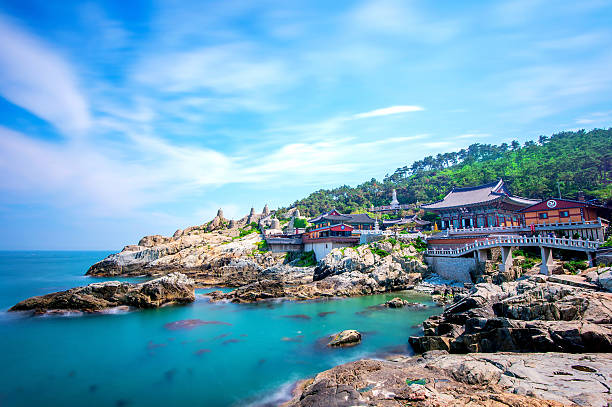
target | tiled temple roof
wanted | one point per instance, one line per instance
(334, 216)
(472, 196)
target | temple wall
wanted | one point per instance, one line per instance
(322, 249)
(453, 268)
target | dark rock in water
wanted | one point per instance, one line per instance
(396, 303)
(93, 388)
(230, 341)
(122, 403)
(169, 375)
(200, 352)
(297, 316)
(222, 336)
(153, 345)
(292, 339)
(191, 323)
(524, 316)
(174, 288)
(323, 314)
(345, 338)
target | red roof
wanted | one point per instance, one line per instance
(556, 203)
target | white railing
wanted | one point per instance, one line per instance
(556, 242)
(373, 232)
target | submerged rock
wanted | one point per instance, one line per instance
(174, 288)
(345, 338)
(442, 379)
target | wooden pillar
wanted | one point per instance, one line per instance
(547, 260)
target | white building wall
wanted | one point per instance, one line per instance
(322, 249)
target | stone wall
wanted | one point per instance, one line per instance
(453, 268)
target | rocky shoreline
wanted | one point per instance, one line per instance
(438, 378)
(174, 288)
(235, 257)
(528, 315)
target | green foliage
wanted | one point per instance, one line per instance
(607, 243)
(392, 240)
(262, 246)
(247, 231)
(419, 244)
(574, 266)
(377, 250)
(300, 223)
(304, 259)
(577, 160)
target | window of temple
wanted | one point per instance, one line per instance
(564, 214)
(490, 220)
(543, 215)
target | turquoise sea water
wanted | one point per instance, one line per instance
(231, 355)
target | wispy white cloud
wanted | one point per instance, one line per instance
(39, 80)
(224, 69)
(386, 111)
(396, 17)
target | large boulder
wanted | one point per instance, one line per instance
(345, 338)
(605, 279)
(174, 288)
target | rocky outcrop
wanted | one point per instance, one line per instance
(605, 279)
(396, 303)
(527, 316)
(346, 338)
(174, 288)
(442, 379)
(232, 257)
(392, 265)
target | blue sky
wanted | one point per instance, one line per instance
(121, 119)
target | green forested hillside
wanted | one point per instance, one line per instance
(570, 161)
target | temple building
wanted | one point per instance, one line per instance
(486, 205)
(322, 240)
(358, 221)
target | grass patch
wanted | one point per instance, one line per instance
(574, 266)
(419, 244)
(262, 246)
(377, 250)
(304, 259)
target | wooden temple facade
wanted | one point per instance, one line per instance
(489, 205)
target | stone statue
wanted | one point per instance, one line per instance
(394, 201)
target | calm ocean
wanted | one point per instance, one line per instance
(134, 359)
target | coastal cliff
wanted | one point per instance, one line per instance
(233, 254)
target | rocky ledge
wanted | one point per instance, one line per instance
(441, 379)
(234, 254)
(174, 288)
(529, 315)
